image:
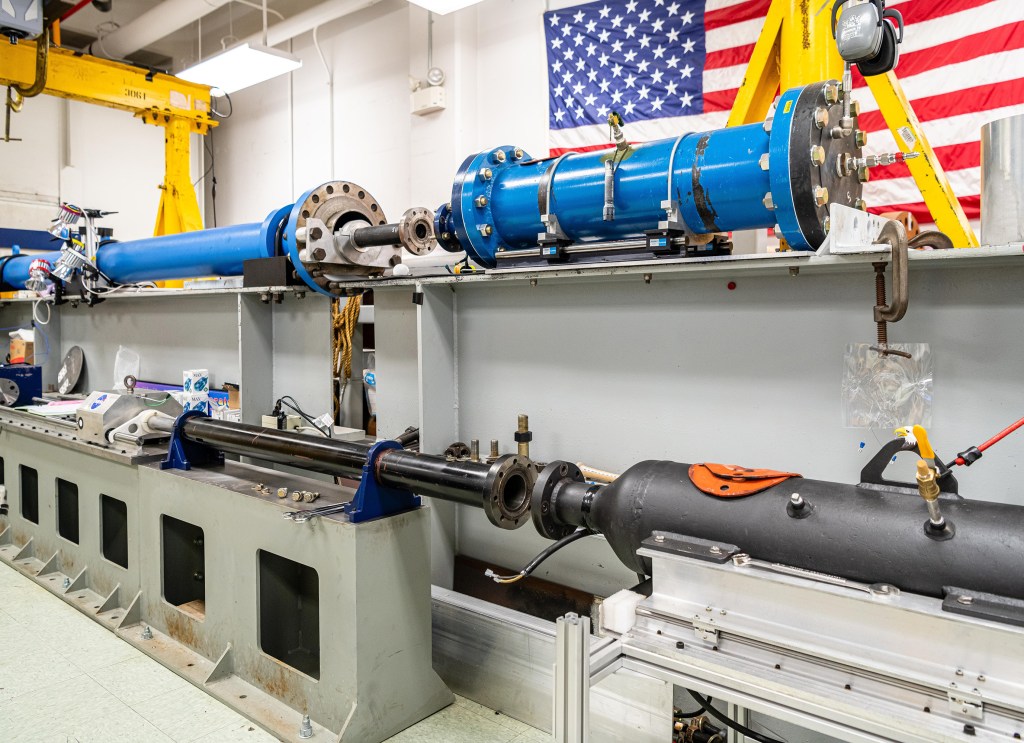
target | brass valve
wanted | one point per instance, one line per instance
(928, 487)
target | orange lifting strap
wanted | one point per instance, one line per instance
(733, 481)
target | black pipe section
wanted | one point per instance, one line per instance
(862, 533)
(432, 476)
(437, 477)
(378, 236)
(314, 453)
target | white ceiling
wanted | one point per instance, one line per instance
(180, 47)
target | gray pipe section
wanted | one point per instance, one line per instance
(860, 533)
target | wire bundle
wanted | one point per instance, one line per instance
(343, 327)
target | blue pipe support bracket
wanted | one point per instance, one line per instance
(719, 180)
(183, 454)
(373, 500)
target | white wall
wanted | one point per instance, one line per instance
(91, 156)
(277, 144)
(30, 168)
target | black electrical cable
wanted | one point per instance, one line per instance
(218, 114)
(705, 705)
(692, 714)
(293, 405)
(535, 562)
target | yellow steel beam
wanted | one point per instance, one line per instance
(795, 48)
(761, 81)
(180, 107)
(179, 209)
(809, 53)
(82, 77)
(927, 171)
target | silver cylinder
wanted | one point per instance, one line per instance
(1002, 181)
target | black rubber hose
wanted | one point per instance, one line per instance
(705, 705)
(552, 549)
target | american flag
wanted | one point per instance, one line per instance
(672, 66)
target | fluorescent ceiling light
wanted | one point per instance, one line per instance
(443, 7)
(240, 67)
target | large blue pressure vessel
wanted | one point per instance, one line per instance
(782, 173)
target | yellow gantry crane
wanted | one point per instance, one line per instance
(796, 48)
(182, 108)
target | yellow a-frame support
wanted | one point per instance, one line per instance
(796, 48)
(180, 107)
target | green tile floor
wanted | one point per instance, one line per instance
(65, 679)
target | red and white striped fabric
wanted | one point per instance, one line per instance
(961, 65)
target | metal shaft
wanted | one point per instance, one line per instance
(501, 487)
(371, 237)
(314, 453)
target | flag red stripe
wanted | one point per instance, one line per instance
(971, 206)
(1002, 39)
(956, 103)
(952, 157)
(746, 11)
(731, 57)
(917, 11)
(719, 100)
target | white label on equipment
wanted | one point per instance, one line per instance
(907, 136)
(180, 100)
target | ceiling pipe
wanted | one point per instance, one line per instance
(306, 21)
(164, 19)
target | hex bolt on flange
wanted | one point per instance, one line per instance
(306, 728)
(147, 633)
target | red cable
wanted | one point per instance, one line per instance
(1002, 435)
(995, 439)
(77, 7)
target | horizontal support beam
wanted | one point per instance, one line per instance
(155, 97)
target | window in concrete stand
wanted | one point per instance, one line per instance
(67, 510)
(292, 634)
(29, 493)
(184, 566)
(114, 530)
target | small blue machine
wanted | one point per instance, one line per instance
(20, 384)
(669, 197)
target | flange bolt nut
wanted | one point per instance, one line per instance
(821, 117)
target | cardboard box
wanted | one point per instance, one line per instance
(234, 396)
(22, 352)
